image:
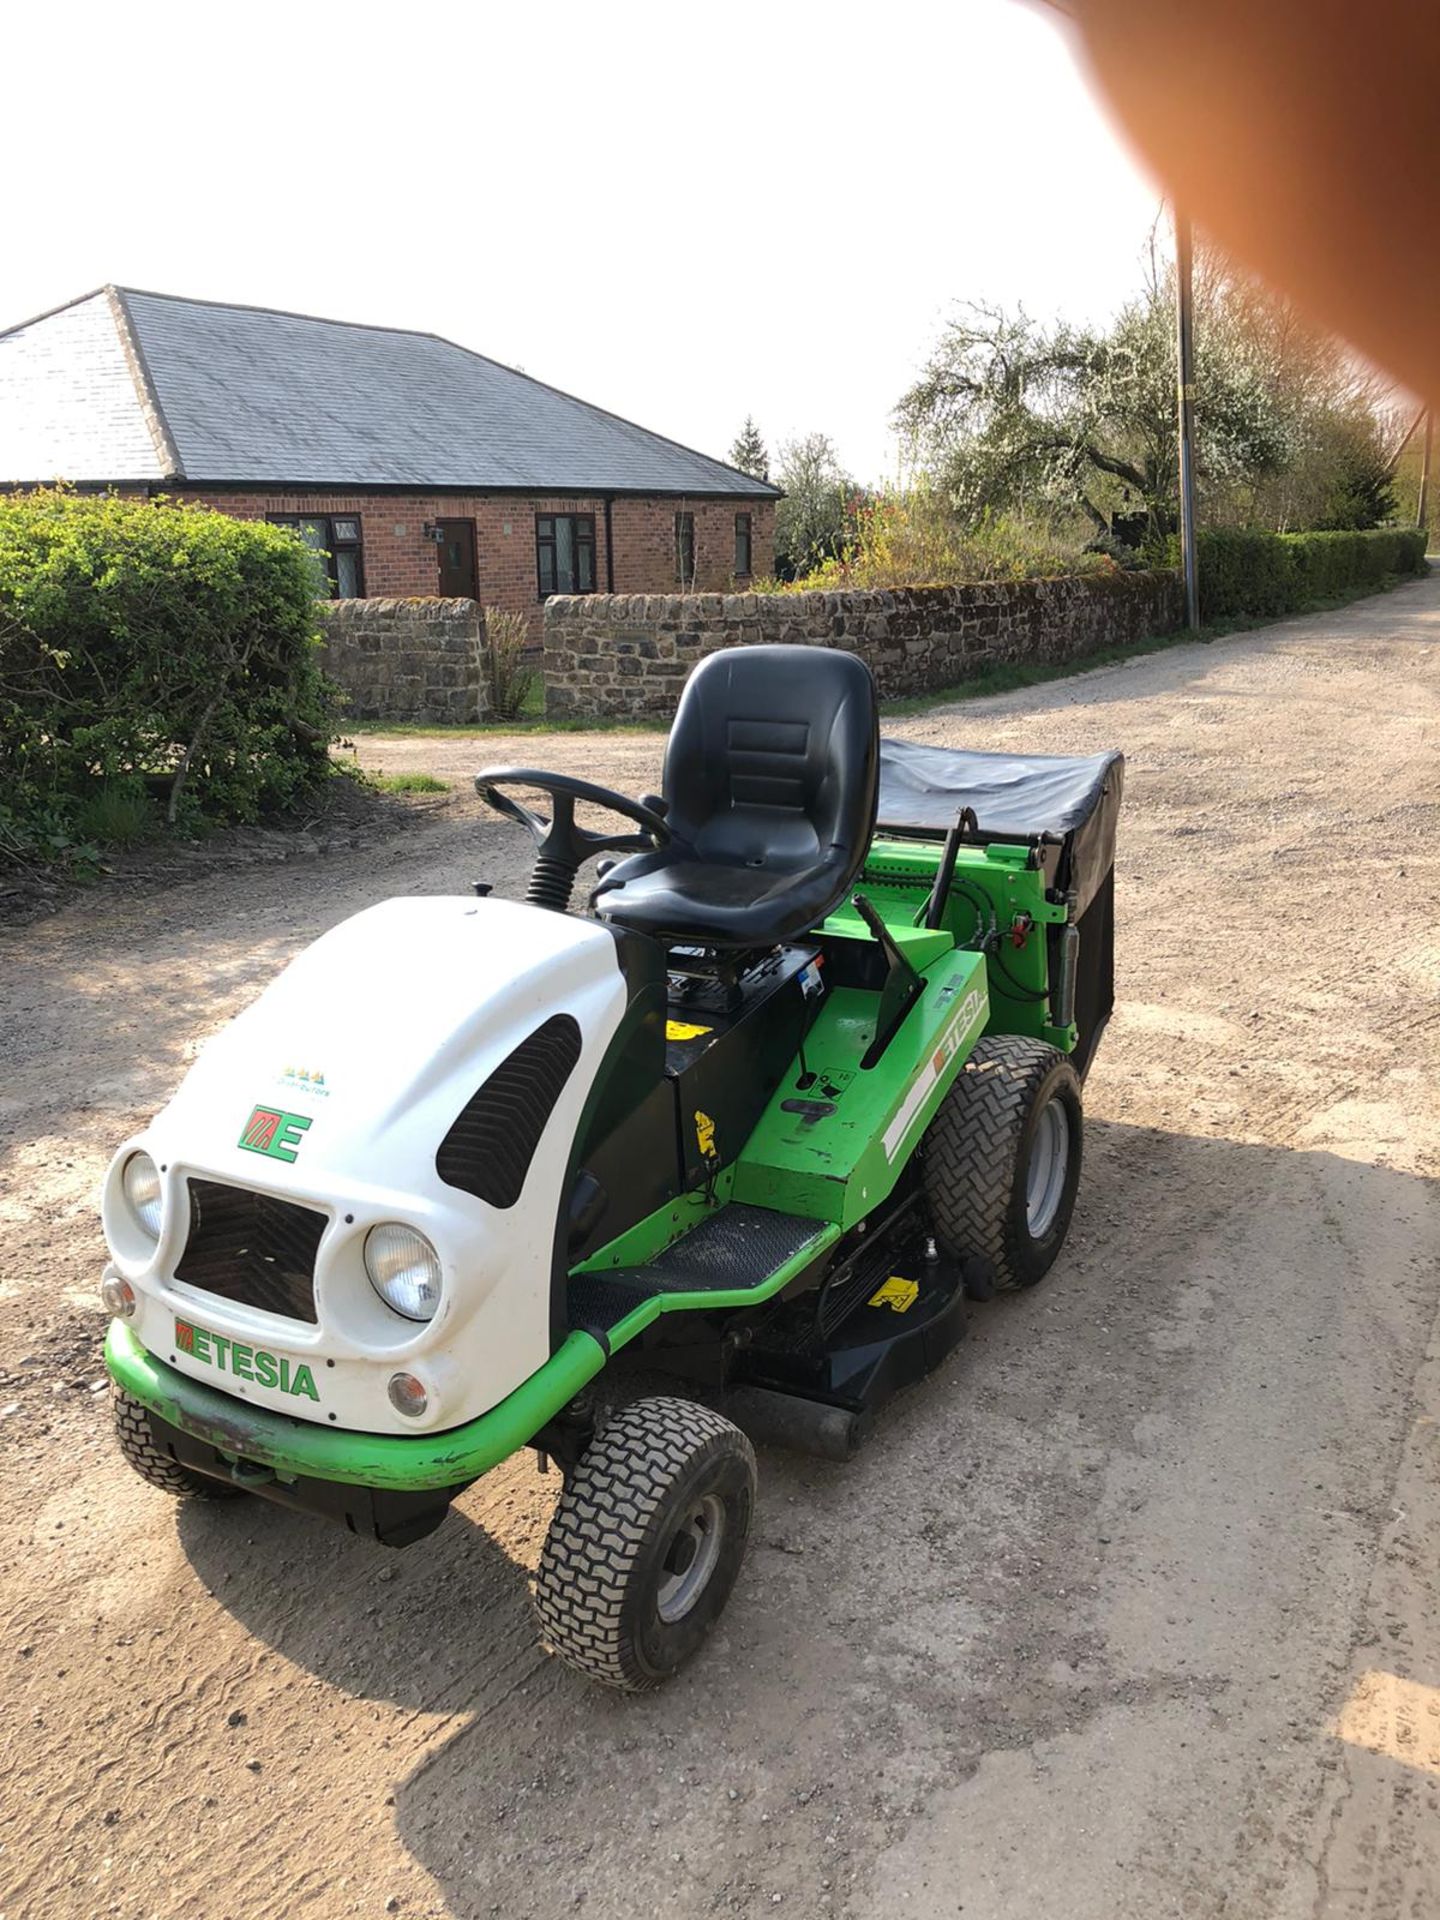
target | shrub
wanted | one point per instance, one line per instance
(1275, 573)
(1244, 573)
(148, 644)
(1127, 558)
(502, 662)
(914, 539)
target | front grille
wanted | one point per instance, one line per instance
(488, 1150)
(252, 1248)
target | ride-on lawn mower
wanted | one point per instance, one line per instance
(792, 1089)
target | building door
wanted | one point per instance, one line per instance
(457, 560)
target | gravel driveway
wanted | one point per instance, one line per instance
(1129, 1611)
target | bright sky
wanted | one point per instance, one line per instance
(679, 213)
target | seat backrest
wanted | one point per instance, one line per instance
(774, 758)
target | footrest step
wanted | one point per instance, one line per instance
(739, 1249)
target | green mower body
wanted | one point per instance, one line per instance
(785, 1168)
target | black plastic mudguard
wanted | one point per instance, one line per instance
(379, 1513)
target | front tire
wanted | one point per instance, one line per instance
(646, 1542)
(160, 1469)
(1001, 1158)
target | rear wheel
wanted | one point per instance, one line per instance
(1001, 1158)
(646, 1542)
(160, 1469)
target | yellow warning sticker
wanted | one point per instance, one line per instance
(705, 1134)
(683, 1030)
(897, 1294)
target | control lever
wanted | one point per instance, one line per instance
(903, 985)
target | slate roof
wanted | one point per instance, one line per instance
(129, 386)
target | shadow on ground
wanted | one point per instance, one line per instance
(1114, 1451)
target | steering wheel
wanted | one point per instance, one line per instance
(562, 847)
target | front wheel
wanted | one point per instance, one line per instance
(646, 1542)
(1001, 1158)
(160, 1469)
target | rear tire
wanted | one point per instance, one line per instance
(1001, 1158)
(646, 1542)
(132, 1434)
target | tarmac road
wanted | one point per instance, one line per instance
(1129, 1611)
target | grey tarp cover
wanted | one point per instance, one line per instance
(1014, 796)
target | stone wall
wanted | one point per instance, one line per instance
(630, 653)
(406, 660)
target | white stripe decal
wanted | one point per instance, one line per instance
(971, 1009)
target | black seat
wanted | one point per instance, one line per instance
(770, 780)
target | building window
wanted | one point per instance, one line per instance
(565, 552)
(335, 551)
(685, 549)
(743, 546)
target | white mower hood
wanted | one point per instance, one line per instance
(334, 1092)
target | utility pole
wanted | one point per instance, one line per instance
(1394, 461)
(1185, 373)
(1422, 510)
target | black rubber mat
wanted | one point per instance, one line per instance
(739, 1246)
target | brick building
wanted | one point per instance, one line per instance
(410, 465)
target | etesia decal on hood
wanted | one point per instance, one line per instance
(273, 1133)
(266, 1369)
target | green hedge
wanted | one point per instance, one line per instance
(1274, 573)
(163, 653)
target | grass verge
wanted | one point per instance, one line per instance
(495, 729)
(408, 783)
(121, 812)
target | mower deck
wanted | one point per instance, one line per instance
(816, 1374)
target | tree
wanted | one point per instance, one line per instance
(1347, 483)
(1012, 415)
(812, 520)
(1336, 414)
(748, 453)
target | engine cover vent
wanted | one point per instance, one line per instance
(488, 1150)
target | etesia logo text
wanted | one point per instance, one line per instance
(245, 1363)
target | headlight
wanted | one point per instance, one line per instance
(140, 1182)
(404, 1270)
